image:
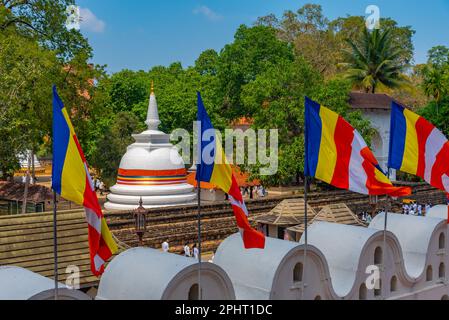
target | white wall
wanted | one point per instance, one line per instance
(380, 121)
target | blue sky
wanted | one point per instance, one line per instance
(139, 34)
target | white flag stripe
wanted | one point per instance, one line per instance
(445, 180)
(98, 262)
(239, 204)
(93, 220)
(357, 174)
(434, 144)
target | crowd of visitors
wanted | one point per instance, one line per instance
(254, 192)
(193, 252)
(414, 209)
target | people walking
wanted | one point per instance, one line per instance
(187, 250)
(196, 252)
(165, 246)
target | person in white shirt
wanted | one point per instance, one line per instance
(196, 252)
(428, 208)
(165, 246)
(187, 250)
(419, 210)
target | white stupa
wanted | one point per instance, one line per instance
(151, 169)
(23, 158)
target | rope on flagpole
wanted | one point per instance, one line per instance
(198, 183)
(200, 296)
(306, 223)
(384, 250)
(55, 244)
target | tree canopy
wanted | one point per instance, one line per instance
(263, 74)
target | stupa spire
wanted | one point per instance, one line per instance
(153, 121)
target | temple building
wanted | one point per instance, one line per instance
(151, 169)
(377, 109)
(31, 158)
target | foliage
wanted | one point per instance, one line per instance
(321, 41)
(112, 145)
(436, 74)
(37, 51)
(44, 21)
(276, 98)
(436, 86)
(374, 60)
(207, 63)
(253, 51)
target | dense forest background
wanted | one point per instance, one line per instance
(262, 75)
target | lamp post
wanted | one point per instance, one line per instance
(140, 220)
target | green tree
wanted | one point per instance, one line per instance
(438, 56)
(44, 21)
(436, 86)
(436, 82)
(207, 63)
(352, 27)
(321, 41)
(436, 74)
(26, 73)
(37, 51)
(373, 61)
(252, 52)
(276, 98)
(112, 144)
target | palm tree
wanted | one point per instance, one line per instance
(435, 83)
(374, 60)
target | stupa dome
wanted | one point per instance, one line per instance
(141, 159)
(151, 169)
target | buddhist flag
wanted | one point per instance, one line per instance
(418, 147)
(72, 181)
(215, 169)
(338, 155)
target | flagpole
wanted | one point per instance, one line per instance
(387, 208)
(199, 238)
(55, 244)
(306, 226)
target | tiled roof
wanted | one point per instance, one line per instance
(14, 192)
(335, 213)
(289, 212)
(360, 100)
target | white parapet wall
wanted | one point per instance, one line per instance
(21, 284)
(149, 274)
(408, 261)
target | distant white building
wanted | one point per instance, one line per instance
(377, 109)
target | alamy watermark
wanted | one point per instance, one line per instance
(372, 20)
(373, 282)
(73, 21)
(73, 279)
(250, 147)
